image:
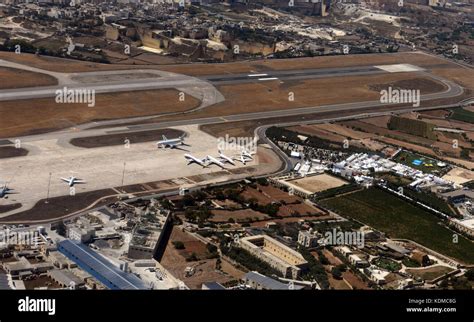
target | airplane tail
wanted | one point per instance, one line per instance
(164, 138)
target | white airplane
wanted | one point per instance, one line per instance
(243, 158)
(4, 191)
(192, 159)
(71, 181)
(247, 153)
(213, 160)
(170, 143)
(225, 158)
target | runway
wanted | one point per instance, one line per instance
(51, 152)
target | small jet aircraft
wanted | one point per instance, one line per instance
(4, 191)
(71, 181)
(225, 158)
(243, 159)
(170, 143)
(247, 154)
(192, 159)
(213, 160)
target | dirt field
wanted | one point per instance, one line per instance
(237, 215)
(291, 220)
(42, 115)
(301, 209)
(273, 95)
(118, 139)
(344, 131)
(430, 273)
(174, 261)
(315, 130)
(11, 152)
(355, 281)
(17, 78)
(333, 260)
(277, 194)
(318, 182)
(459, 175)
(251, 193)
(233, 129)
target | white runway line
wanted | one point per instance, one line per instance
(267, 78)
(257, 75)
(399, 68)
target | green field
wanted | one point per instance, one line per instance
(428, 165)
(462, 115)
(399, 219)
(414, 127)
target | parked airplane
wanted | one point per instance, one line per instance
(4, 191)
(170, 143)
(213, 160)
(247, 153)
(243, 158)
(71, 181)
(192, 159)
(225, 158)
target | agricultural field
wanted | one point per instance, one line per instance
(430, 273)
(463, 115)
(399, 219)
(318, 182)
(242, 215)
(387, 264)
(418, 162)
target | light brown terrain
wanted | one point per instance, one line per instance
(17, 78)
(175, 261)
(240, 98)
(32, 116)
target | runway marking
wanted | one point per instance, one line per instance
(268, 78)
(399, 68)
(257, 75)
(224, 119)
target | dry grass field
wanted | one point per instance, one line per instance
(318, 182)
(17, 78)
(174, 261)
(36, 116)
(240, 98)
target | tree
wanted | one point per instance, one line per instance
(336, 273)
(193, 257)
(470, 274)
(188, 201)
(178, 244)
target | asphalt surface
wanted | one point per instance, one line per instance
(204, 88)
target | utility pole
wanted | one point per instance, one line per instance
(123, 173)
(49, 184)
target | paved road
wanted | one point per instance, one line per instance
(453, 90)
(115, 81)
(119, 126)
